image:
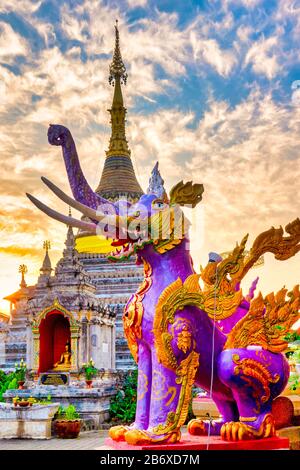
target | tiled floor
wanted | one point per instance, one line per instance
(86, 440)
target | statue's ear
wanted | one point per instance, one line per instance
(186, 193)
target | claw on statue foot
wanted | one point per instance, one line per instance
(240, 431)
(200, 427)
(138, 437)
(196, 427)
(117, 433)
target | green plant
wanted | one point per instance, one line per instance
(292, 336)
(294, 382)
(190, 414)
(89, 370)
(123, 404)
(295, 356)
(68, 413)
(7, 382)
(13, 384)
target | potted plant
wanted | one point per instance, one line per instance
(67, 422)
(20, 372)
(89, 371)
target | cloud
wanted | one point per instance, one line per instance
(136, 3)
(210, 52)
(243, 32)
(263, 58)
(245, 153)
(288, 14)
(246, 156)
(21, 251)
(148, 41)
(11, 43)
(25, 6)
(246, 3)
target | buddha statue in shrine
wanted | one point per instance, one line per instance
(64, 362)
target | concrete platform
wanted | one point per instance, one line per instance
(203, 443)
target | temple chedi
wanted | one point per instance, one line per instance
(118, 179)
(114, 282)
(85, 287)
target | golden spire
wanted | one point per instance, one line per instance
(46, 245)
(118, 145)
(46, 266)
(23, 270)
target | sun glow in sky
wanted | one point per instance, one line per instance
(213, 94)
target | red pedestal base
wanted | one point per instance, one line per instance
(200, 443)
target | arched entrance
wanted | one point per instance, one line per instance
(52, 329)
(54, 334)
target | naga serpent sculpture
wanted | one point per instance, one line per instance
(171, 321)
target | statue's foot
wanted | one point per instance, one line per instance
(138, 437)
(200, 427)
(243, 430)
(117, 433)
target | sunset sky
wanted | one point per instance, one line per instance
(213, 94)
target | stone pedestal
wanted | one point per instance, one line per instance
(33, 422)
(92, 404)
(195, 443)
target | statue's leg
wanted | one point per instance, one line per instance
(202, 427)
(143, 396)
(170, 398)
(255, 378)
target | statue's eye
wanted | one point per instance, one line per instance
(158, 204)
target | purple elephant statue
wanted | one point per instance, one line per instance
(185, 328)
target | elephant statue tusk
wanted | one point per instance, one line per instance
(90, 227)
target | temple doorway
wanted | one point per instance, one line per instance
(54, 332)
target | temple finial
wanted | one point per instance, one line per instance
(117, 67)
(46, 266)
(23, 270)
(156, 184)
(47, 245)
(118, 145)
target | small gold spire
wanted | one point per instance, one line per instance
(46, 245)
(118, 145)
(23, 270)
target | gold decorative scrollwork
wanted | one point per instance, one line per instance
(185, 373)
(184, 341)
(226, 275)
(175, 297)
(251, 372)
(143, 386)
(268, 321)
